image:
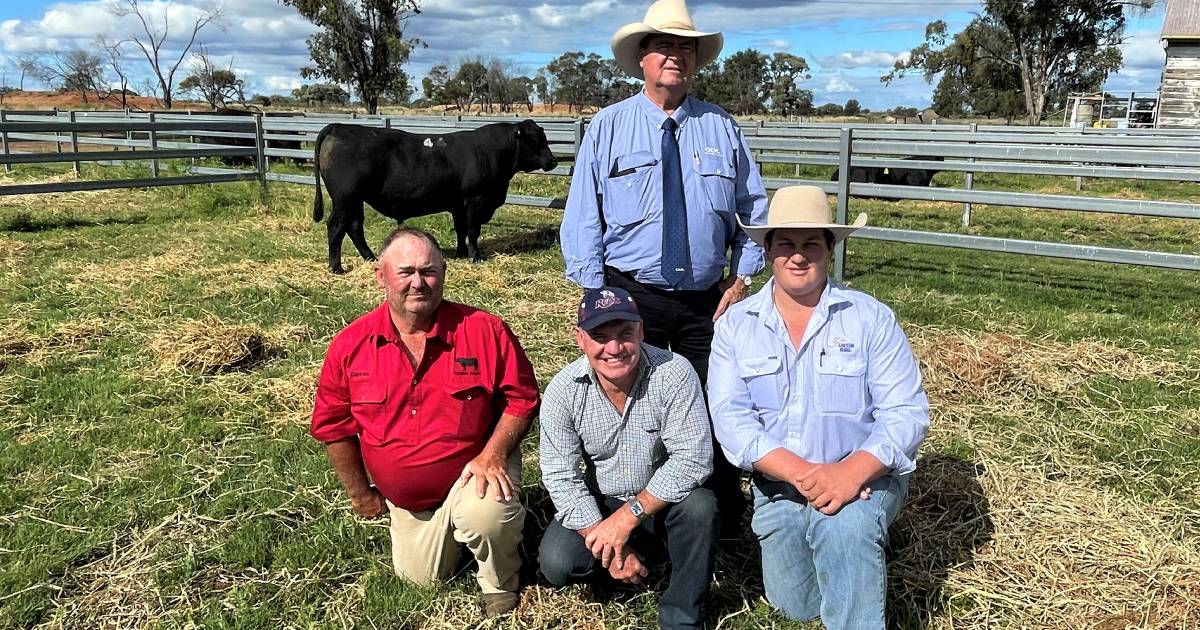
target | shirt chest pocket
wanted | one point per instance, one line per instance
(719, 177)
(469, 406)
(763, 376)
(841, 385)
(368, 405)
(628, 188)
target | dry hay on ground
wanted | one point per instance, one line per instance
(12, 254)
(121, 589)
(211, 346)
(994, 369)
(72, 336)
(44, 205)
(1050, 554)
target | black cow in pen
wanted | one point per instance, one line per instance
(891, 176)
(404, 175)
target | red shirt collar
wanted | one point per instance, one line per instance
(443, 323)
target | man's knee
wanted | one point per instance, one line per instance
(561, 560)
(487, 518)
(858, 526)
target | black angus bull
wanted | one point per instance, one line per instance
(891, 176)
(404, 175)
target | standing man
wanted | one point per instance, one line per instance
(660, 181)
(422, 404)
(625, 444)
(815, 388)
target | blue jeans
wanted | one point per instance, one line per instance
(831, 567)
(689, 531)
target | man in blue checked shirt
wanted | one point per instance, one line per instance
(625, 444)
(660, 181)
(815, 389)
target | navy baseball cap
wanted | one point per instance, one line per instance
(606, 304)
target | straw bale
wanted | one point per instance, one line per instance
(211, 346)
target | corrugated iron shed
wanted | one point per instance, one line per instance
(1182, 20)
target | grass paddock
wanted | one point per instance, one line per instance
(160, 351)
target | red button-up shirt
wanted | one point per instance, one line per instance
(418, 427)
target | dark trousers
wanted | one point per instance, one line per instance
(690, 530)
(681, 321)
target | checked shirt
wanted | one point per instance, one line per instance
(661, 442)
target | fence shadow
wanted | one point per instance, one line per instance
(529, 240)
(26, 223)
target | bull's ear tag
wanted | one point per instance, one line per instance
(886, 170)
(428, 143)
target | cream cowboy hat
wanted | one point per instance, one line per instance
(801, 207)
(669, 17)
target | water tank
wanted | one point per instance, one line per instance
(1084, 115)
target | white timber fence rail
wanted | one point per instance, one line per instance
(111, 141)
(1130, 154)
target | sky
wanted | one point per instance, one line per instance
(849, 44)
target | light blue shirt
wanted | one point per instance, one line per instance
(618, 174)
(854, 384)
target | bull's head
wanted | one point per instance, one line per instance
(533, 150)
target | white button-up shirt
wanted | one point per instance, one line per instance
(853, 384)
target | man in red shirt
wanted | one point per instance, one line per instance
(421, 396)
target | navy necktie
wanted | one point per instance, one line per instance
(675, 253)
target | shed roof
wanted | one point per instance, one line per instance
(1182, 20)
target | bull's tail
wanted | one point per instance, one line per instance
(319, 202)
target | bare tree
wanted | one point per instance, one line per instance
(116, 63)
(215, 85)
(29, 67)
(75, 70)
(155, 35)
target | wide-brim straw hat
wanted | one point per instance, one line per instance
(801, 207)
(669, 17)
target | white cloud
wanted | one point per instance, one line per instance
(838, 85)
(559, 16)
(862, 59)
(1143, 50)
(777, 44)
(280, 83)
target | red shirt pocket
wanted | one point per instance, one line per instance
(469, 406)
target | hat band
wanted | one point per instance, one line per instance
(680, 26)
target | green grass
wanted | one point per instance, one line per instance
(135, 494)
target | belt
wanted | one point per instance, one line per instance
(776, 490)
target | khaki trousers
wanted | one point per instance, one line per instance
(425, 544)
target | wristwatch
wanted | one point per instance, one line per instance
(639, 512)
(747, 279)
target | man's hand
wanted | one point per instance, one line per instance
(630, 568)
(607, 541)
(489, 469)
(829, 487)
(733, 290)
(369, 504)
